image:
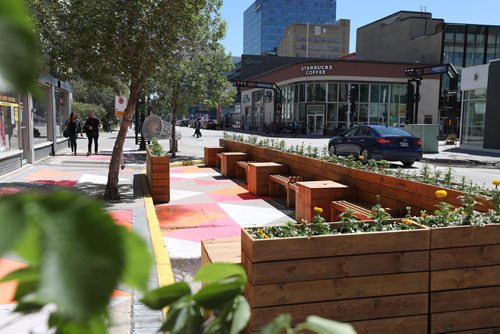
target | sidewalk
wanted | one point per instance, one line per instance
(455, 155)
(89, 175)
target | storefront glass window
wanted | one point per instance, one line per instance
(331, 115)
(474, 108)
(40, 115)
(373, 113)
(302, 93)
(374, 93)
(10, 117)
(333, 92)
(363, 92)
(363, 113)
(316, 92)
(343, 92)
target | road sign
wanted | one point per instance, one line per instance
(120, 105)
(265, 85)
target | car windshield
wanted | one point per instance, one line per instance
(391, 131)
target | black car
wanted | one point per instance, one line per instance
(378, 142)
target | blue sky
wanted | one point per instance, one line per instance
(362, 12)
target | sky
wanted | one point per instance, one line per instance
(362, 12)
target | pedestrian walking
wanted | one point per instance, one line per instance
(91, 128)
(197, 126)
(72, 128)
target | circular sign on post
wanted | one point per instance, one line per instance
(120, 105)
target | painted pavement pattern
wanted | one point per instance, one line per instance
(206, 205)
(87, 174)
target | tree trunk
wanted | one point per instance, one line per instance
(111, 192)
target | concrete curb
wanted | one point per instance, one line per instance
(162, 260)
(449, 161)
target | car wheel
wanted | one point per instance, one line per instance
(408, 163)
(366, 156)
(332, 150)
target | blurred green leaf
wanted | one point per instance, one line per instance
(29, 274)
(241, 315)
(19, 51)
(283, 321)
(28, 307)
(217, 294)
(328, 326)
(12, 224)
(94, 325)
(83, 254)
(159, 298)
(138, 260)
(216, 271)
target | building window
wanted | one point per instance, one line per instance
(474, 109)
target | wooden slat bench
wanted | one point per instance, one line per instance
(288, 183)
(242, 169)
(221, 250)
(361, 210)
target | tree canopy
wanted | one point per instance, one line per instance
(115, 41)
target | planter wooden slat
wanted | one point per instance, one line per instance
(465, 320)
(333, 245)
(466, 299)
(336, 289)
(464, 257)
(462, 236)
(346, 310)
(465, 278)
(407, 325)
(158, 175)
(335, 267)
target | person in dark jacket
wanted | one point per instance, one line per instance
(91, 128)
(73, 127)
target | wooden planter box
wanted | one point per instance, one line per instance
(376, 281)
(158, 174)
(395, 193)
(465, 279)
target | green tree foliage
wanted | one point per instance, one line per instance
(82, 110)
(76, 256)
(114, 42)
(195, 72)
(102, 96)
(20, 55)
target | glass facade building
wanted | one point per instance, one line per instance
(264, 22)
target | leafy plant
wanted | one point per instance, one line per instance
(156, 149)
(75, 254)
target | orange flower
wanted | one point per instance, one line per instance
(361, 157)
(441, 193)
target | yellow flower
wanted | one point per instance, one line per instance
(406, 221)
(441, 193)
(318, 210)
(496, 182)
(361, 157)
(265, 236)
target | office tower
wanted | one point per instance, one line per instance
(265, 21)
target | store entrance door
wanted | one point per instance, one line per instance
(315, 119)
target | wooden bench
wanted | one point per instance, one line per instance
(288, 183)
(228, 162)
(361, 210)
(210, 157)
(242, 169)
(221, 250)
(258, 176)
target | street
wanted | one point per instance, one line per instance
(479, 173)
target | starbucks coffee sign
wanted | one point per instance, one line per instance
(316, 69)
